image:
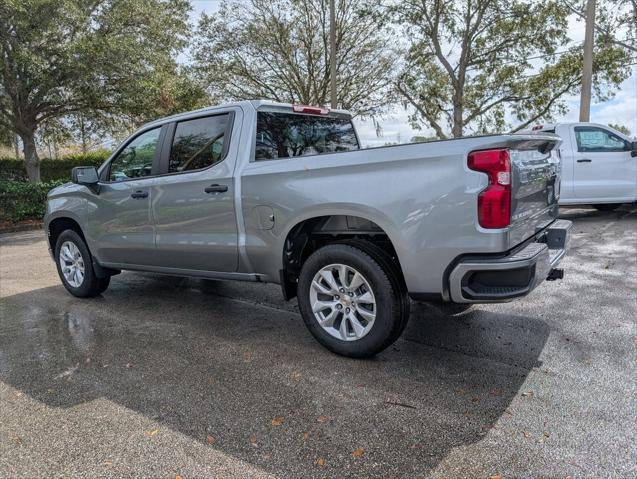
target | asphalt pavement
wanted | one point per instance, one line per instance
(165, 377)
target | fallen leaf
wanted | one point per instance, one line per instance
(17, 439)
(177, 476)
(108, 463)
(277, 421)
(247, 357)
(358, 452)
(461, 391)
(360, 386)
(322, 419)
(496, 392)
(475, 399)
(495, 476)
(320, 461)
(296, 375)
(129, 365)
(253, 439)
(306, 436)
(210, 439)
(526, 434)
(152, 433)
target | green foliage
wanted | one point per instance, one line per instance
(51, 170)
(279, 50)
(102, 60)
(471, 63)
(21, 200)
(620, 128)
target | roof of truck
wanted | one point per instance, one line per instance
(544, 127)
(256, 104)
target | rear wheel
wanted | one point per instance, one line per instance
(607, 206)
(350, 303)
(75, 266)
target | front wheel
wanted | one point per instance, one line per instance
(75, 266)
(349, 302)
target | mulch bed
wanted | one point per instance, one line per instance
(26, 225)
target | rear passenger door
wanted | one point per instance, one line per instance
(193, 198)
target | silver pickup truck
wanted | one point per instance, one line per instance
(267, 192)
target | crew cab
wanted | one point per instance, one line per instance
(599, 164)
(267, 192)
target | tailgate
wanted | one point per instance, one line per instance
(536, 168)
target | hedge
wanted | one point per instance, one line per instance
(50, 170)
(20, 200)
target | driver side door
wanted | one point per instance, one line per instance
(604, 168)
(119, 216)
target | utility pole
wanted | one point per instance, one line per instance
(587, 72)
(333, 101)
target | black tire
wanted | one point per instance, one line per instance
(91, 285)
(607, 206)
(392, 302)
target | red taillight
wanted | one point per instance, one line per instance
(312, 110)
(494, 203)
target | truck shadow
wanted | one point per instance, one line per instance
(188, 356)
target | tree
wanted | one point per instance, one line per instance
(61, 58)
(615, 23)
(620, 128)
(279, 50)
(471, 64)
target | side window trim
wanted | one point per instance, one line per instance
(609, 133)
(106, 171)
(167, 145)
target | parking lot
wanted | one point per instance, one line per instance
(166, 377)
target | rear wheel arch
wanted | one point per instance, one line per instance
(310, 234)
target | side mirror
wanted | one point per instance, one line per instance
(85, 175)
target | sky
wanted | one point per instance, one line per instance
(622, 109)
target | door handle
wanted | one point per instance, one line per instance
(216, 189)
(139, 194)
(584, 160)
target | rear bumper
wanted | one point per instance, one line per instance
(487, 279)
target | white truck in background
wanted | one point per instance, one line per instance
(599, 164)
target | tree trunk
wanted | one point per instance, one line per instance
(458, 126)
(31, 157)
(458, 112)
(16, 146)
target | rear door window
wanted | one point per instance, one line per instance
(198, 143)
(286, 135)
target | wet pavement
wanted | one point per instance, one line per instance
(164, 376)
